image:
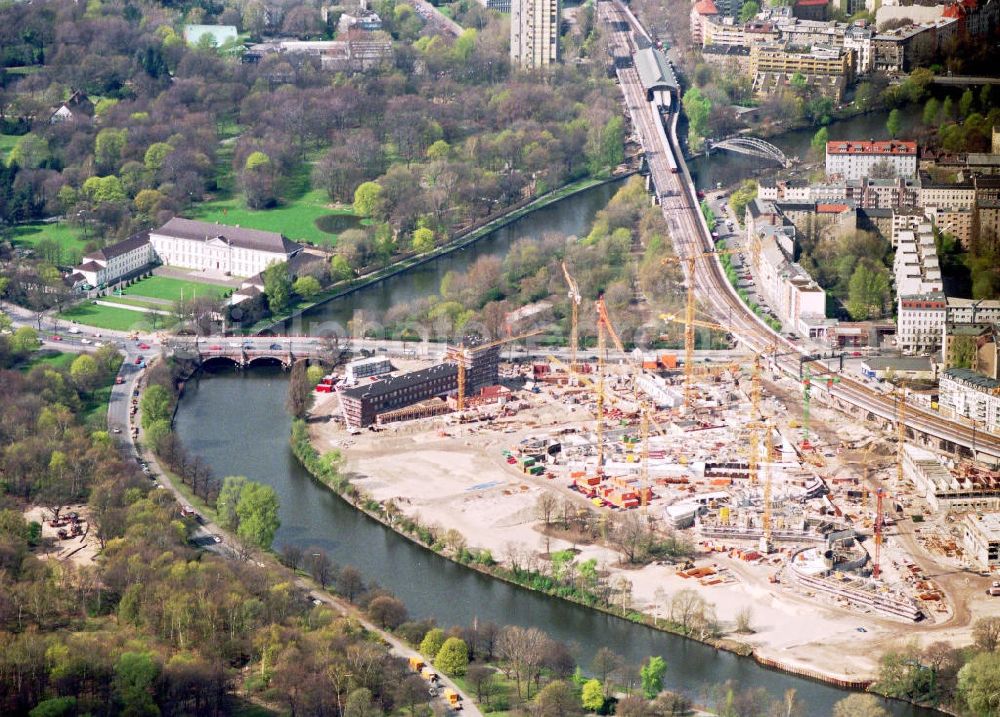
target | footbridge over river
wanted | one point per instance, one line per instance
(752, 147)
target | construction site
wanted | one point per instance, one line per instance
(785, 503)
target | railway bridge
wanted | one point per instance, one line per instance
(752, 147)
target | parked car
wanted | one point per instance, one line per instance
(56, 337)
(275, 347)
(86, 341)
(215, 347)
(138, 360)
(144, 347)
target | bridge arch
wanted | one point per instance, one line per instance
(753, 147)
(220, 359)
(267, 360)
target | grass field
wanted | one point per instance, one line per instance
(295, 218)
(106, 317)
(69, 238)
(168, 289)
(7, 142)
(52, 359)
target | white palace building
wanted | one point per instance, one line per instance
(200, 246)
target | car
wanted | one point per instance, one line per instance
(861, 629)
(98, 335)
(275, 347)
(86, 341)
(116, 429)
(144, 347)
(217, 538)
(215, 347)
(855, 353)
(119, 380)
(55, 337)
(138, 360)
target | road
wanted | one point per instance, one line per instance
(691, 236)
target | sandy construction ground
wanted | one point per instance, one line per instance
(456, 477)
(462, 482)
(80, 550)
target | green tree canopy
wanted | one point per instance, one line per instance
(433, 642)
(277, 287)
(979, 684)
(228, 499)
(894, 123)
(868, 291)
(818, 143)
(24, 340)
(156, 154)
(135, 677)
(156, 405)
(307, 286)
(340, 269)
(592, 695)
(257, 511)
(423, 240)
(85, 372)
(453, 657)
(749, 11)
(652, 676)
(367, 199)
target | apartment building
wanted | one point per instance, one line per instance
(915, 267)
(855, 160)
(963, 392)
(534, 32)
(920, 321)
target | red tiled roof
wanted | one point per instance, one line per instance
(890, 147)
(831, 208)
(810, 3)
(706, 7)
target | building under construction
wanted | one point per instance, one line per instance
(363, 404)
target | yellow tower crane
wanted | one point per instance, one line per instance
(690, 322)
(463, 354)
(574, 302)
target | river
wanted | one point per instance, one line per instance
(729, 168)
(214, 422)
(569, 217)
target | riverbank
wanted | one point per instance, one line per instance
(460, 241)
(505, 528)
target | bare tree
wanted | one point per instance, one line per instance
(744, 620)
(521, 654)
(605, 665)
(545, 507)
(986, 633)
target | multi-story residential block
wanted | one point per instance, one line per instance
(901, 50)
(700, 12)
(958, 195)
(534, 32)
(858, 38)
(956, 222)
(916, 267)
(919, 322)
(855, 160)
(964, 392)
(827, 70)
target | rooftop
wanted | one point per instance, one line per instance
(888, 147)
(706, 7)
(964, 375)
(988, 524)
(382, 387)
(123, 247)
(234, 236)
(654, 70)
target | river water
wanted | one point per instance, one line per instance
(237, 422)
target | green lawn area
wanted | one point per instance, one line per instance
(295, 217)
(69, 238)
(168, 289)
(53, 359)
(7, 142)
(106, 317)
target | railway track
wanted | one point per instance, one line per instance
(690, 235)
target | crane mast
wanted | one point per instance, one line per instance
(574, 302)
